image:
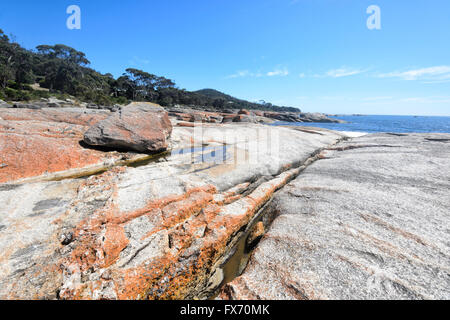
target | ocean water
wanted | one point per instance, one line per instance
(397, 124)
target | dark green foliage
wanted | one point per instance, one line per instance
(222, 100)
(64, 71)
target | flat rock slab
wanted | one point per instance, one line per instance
(78, 116)
(141, 127)
(370, 220)
(159, 230)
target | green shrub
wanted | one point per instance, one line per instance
(17, 95)
(120, 100)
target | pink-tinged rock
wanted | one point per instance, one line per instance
(78, 116)
(245, 112)
(38, 142)
(142, 127)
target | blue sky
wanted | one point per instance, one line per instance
(315, 54)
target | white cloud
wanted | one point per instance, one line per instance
(247, 73)
(244, 74)
(431, 74)
(278, 72)
(239, 74)
(340, 73)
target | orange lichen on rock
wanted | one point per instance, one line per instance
(186, 124)
(115, 242)
(197, 226)
(78, 117)
(33, 148)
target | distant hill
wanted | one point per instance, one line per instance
(214, 94)
(232, 102)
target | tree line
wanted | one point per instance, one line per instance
(65, 71)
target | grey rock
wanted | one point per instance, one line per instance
(35, 106)
(92, 106)
(3, 104)
(368, 221)
(140, 127)
(66, 238)
(318, 117)
(53, 105)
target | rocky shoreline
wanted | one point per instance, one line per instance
(188, 114)
(135, 202)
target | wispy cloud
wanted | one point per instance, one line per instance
(241, 74)
(405, 100)
(431, 74)
(246, 73)
(427, 99)
(341, 72)
(377, 98)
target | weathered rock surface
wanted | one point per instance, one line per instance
(77, 116)
(247, 116)
(142, 127)
(301, 117)
(3, 104)
(370, 220)
(318, 117)
(160, 230)
(38, 142)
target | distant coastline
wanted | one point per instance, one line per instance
(387, 123)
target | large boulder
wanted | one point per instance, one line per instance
(245, 112)
(282, 116)
(141, 127)
(244, 118)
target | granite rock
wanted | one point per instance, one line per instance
(141, 127)
(370, 220)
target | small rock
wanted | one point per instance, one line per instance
(53, 105)
(92, 106)
(244, 118)
(66, 238)
(255, 235)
